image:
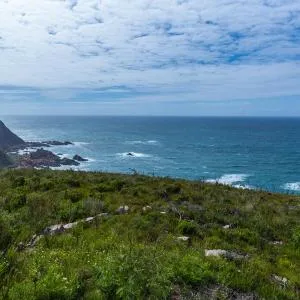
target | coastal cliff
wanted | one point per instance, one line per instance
(10, 143)
(8, 139)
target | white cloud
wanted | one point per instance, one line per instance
(209, 49)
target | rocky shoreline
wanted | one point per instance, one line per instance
(11, 145)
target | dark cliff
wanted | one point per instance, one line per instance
(7, 138)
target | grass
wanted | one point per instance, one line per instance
(138, 255)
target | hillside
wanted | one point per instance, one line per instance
(5, 161)
(138, 237)
(7, 138)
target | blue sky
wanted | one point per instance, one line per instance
(157, 57)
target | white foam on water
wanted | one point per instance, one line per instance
(134, 155)
(26, 151)
(80, 144)
(65, 168)
(90, 160)
(229, 179)
(244, 187)
(292, 186)
(149, 142)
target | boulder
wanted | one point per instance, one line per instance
(215, 252)
(276, 243)
(224, 253)
(228, 226)
(8, 139)
(123, 210)
(280, 280)
(146, 208)
(20, 247)
(183, 238)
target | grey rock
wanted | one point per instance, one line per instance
(224, 253)
(123, 210)
(183, 238)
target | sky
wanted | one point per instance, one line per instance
(150, 57)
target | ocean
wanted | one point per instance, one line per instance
(256, 153)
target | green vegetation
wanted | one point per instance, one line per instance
(136, 253)
(5, 161)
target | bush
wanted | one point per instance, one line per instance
(296, 237)
(192, 270)
(187, 227)
(134, 272)
(74, 195)
(18, 181)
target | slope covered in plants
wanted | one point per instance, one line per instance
(149, 238)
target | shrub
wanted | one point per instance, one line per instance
(134, 272)
(193, 270)
(18, 181)
(74, 195)
(173, 188)
(296, 237)
(187, 227)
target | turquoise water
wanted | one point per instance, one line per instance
(262, 153)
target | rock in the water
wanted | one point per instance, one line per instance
(79, 158)
(44, 158)
(68, 162)
(58, 143)
(43, 154)
(8, 139)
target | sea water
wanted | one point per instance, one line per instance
(258, 153)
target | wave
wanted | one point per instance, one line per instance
(149, 142)
(133, 155)
(244, 187)
(292, 186)
(26, 151)
(229, 179)
(80, 143)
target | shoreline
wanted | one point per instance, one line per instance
(150, 151)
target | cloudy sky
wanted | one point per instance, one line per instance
(160, 57)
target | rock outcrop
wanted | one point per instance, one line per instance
(8, 139)
(42, 158)
(225, 253)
